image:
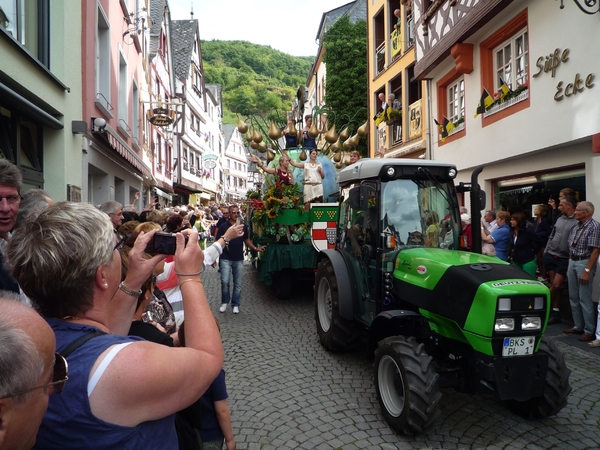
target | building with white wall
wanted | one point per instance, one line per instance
(532, 144)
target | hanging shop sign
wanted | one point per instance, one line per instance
(551, 62)
(160, 117)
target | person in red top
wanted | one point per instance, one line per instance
(465, 218)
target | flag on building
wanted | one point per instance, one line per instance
(504, 89)
(485, 102)
(445, 128)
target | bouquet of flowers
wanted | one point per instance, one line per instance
(278, 197)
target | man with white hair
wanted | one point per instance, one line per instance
(29, 369)
(115, 212)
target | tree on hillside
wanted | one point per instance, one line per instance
(345, 57)
(255, 79)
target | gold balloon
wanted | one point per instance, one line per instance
(313, 132)
(262, 147)
(353, 140)
(242, 126)
(270, 155)
(302, 155)
(254, 145)
(339, 165)
(331, 136)
(256, 137)
(347, 145)
(248, 136)
(346, 159)
(363, 130)
(344, 134)
(337, 157)
(274, 132)
(293, 130)
(336, 147)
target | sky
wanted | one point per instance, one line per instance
(290, 26)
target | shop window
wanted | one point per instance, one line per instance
(21, 142)
(505, 59)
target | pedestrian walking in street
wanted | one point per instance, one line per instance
(584, 245)
(231, 262)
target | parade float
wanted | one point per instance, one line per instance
(276, 213)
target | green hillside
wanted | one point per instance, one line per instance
(256, 79)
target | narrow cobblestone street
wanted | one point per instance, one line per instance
(287, 392)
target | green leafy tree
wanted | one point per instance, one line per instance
(345, 57)
(255, 79)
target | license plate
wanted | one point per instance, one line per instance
(518, 346)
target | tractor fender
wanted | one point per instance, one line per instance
(344, 283)
(392, 323)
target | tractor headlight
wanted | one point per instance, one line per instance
(391, 171)
(531, 323)
(452, 173)
(504, 324)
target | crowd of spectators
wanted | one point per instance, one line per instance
(83, 315)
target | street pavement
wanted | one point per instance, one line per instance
(287, 392)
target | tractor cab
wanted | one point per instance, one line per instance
(399, 207)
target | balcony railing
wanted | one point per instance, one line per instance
(380, 58)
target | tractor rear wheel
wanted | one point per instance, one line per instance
(335, 332)
(406, 384)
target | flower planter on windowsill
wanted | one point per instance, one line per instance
(394, 120)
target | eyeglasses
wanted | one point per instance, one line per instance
(59, 377)
(580, 210)
(234, 212)
(121, 242)
(12, 199)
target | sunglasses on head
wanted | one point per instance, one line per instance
(59, 377)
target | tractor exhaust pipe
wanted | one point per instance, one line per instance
(477, 205)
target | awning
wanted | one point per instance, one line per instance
(204, 195)
(126, 151)
(12, 99)
(163, 194)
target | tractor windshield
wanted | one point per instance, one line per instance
(419, 213)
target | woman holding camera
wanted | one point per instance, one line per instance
(119, 394)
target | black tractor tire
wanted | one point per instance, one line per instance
(407, 385)
(284, 282)
(335, 332)
(556, 386)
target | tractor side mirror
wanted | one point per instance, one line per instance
(366, 192)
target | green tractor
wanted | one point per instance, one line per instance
(432, 315)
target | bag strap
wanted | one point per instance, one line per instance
(79, 342)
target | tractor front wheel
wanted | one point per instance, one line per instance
(406, 384)
(556, 386)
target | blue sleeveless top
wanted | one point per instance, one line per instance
(69, 422)
(308, 142)
(291, 140)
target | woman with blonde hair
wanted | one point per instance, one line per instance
(67, 262)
